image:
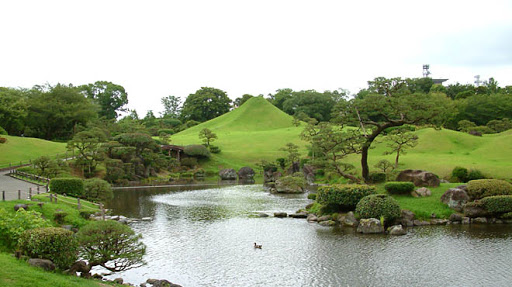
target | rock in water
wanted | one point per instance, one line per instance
(227, 174)
(369, 226)
(246, 173)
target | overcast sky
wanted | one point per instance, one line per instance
(160, 48)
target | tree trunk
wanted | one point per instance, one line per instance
(396, 159)
(347, 175)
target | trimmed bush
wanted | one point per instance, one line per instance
(475, 174)
(54, 243)
(461, 173)
(69, 186)
(11, 227)
(3, 131)
(197, 150)
(399, 187)
(478, 189)
(343, 196)
(497, 204)
(214, 149)
(378, 206)
(190, 162)
(98, 190)
(377, 177)
(166, 132)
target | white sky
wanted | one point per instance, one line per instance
(160, 48)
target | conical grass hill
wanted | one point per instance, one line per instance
(253, 132)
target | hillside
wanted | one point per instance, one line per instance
(257, 130)
(22, 149)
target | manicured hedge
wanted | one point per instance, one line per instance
(97, 190)
(399, 187)
(54, 243)
(497, 204)
(478, 189)
(377, 206)
(69, 186)
(343, 196)
(197, 151)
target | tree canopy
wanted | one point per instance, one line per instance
(205, 104)
(110, 97)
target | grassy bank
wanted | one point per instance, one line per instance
(23, 149)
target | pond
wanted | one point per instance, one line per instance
(204, 236)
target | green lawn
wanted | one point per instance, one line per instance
(22, 149)
(257, 130)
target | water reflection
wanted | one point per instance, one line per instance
(203, 236)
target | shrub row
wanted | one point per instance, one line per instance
(478, 189)
(197, 151)
(497, 204)
(463, 175)
(378, 206)
(399, 187)
(343, 196)
(69, 186)
(93, 189)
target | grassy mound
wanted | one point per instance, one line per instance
(22, 149)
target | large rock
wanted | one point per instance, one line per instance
(161, 283)
(246, 173)
(309, 173)
(455, 197)
(397, 230)
(81, 267)
(407, 218)
(419, 177)
(369, 226)
(349, 220)
(421, 192)
(280, 214)
(227, 174)
(474, 209)
(42, 263)
(270, 176)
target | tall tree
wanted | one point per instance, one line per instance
(207, 136)
(240, 101)
(399, 140)
(390, 106)
(13, 110)
(205, 104)
(172, 107)
(110, 97)
(87, 143)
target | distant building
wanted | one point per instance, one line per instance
(426, 73)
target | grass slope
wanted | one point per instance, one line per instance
(257, 130)
(22, 149)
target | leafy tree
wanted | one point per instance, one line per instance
(465, 125)
(207, 136)
(87, 143)
(399, 140)
(280, 97)
(111, 245)
(385, 166)
(481, 109)
(172, 107)
(205, 104)
(293, 152)
(55, 112)
(139, 150)
(240, 101)
(391, 106)
(500, 125)
(312, 103)
(334, 144)
(110, 97)
(13, 110)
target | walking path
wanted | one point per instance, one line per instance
(11, 186)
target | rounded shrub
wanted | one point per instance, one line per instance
(56, 244)
(343, 196)
(98, 190)
(69, 186)
(197, 151)
(3, 131)
(478, 189)
(165, 132)
(379, 206)
(461, 173)
(214, 149)
(475, 174)
(497, 204)
(189, 162)
(399, 187)
(377, 177)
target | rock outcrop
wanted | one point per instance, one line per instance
(227, 174)
(455, 197)
(370, 226)
(419, 177)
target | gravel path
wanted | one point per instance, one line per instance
(11, 187)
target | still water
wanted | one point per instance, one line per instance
(204, 236)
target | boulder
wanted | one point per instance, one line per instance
(454, 217)
(419, 177)
(309, 173)
(350, 220)
(271, 176)
(327, 223)
(421, 192)
(455, 197)
(369, 226)
(161, 283)
(81, 267)
(45, 264)
(246, 173)
(298, 215)
(420, 223)
(119, 281)
(18, 206)
(227, 174)
(439, 221)
(407, 218)
(280, 214)
(312, 218)
(294, 168)
(324, 218)
(479, 220)
(466, 220)
(262, 214)
(397, 230)
(475, 133)
(474, 210)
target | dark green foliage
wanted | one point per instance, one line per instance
(56, 244)
(377, 177)
(377, 206)
(497, 204)
(475, 174)
(205, 104)
(111, 98)
(214, 149)
(410, 128)
(111, 245)
(461, 173)
(198, 151)
(343, 196)
(3, 132)
(85, 214)
(69, 186)
(97, 190)
(478, 189)
(189, 162)
(59, 216)
(500, 125)
(281, 162)
(11, 227)
(320, 172)
(312, 196)
(295, 182)
(399, 187)
(166, 131)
